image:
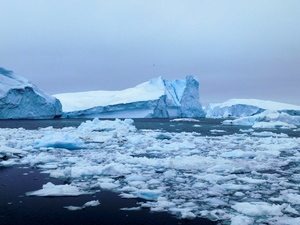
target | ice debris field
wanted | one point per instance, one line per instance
(246, 178)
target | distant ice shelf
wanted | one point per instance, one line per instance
(157, 98)
(247, 107)
(256, 113)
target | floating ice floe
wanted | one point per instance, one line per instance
(58, 140)
(185, 120)
(88, 204)
(217, 131)
(248, 178)
(50, 189)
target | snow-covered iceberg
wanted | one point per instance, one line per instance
(248, 107)
(157, 98)
(20, 99)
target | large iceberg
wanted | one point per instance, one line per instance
(20, 99)
(157, 98)
(248, 107)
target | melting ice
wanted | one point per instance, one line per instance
(243, 178)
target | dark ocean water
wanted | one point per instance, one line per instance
(203, 126)
(16, 208)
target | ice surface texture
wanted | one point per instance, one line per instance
(20, 99)
(248, 178)
(157, 98)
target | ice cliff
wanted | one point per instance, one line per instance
(20, 99)
(248, 107)
(157, 98)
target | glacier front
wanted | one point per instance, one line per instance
(20, 99)
(248, 107)
(157, 98)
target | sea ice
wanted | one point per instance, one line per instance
(248, 178)
(185, 120)
(58, 140)
(87, 204)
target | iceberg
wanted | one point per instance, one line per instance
(20, 99)
(157, 98)
(268, 119)
(247, 107)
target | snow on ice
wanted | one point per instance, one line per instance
(244, 178)
(157, 98)
(87, 204)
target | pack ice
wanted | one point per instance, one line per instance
(20, 99)
(249, 178)
(157, 98)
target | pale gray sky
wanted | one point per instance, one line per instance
(237, 49)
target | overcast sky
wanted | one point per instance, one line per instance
(237, 49)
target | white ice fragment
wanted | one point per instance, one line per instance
(239, 194)
(73, 208)
(131, 209)
(252, 180)
(135, 177)
(169, 174)
(92, 203)
(108, 186)
(258, 208)
(246, 130)
(269, 134)
(273, 125)
(7, 150)
(147, 194)
(217, 131)
(87, 204)
(50, 189)
(241, 220)
(291, 197)
(238, 154)
(58, 140)
(185, 120)
(291, 210)
(285, 220)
